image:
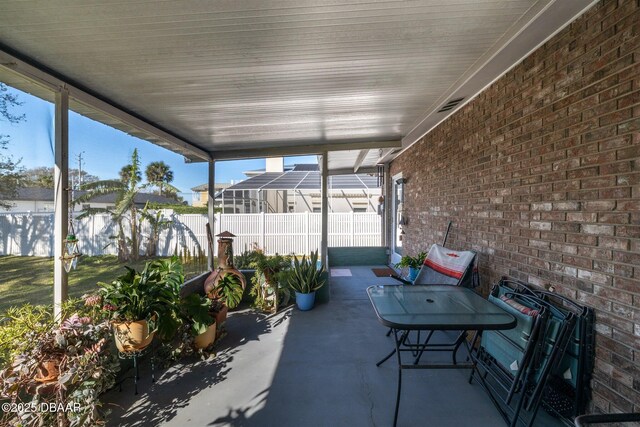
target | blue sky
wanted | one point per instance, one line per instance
(105, 150)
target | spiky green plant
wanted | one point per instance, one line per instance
(305, 276)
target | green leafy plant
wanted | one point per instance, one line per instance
(244, 260)
(270, 281)
(412, 262)
(229, 290)
(305, 276)
(195, 312)
(21, 325)
(152, 295)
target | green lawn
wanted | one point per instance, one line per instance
(30, 279)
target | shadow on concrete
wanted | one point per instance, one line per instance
(175, 388)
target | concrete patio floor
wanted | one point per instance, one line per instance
(298, 368)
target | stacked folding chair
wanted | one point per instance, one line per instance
(519, 367)
(568, 391)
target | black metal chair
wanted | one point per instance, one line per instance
(514, 366)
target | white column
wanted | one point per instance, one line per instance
(324, 240)
(61, 198)
(211, 203)
(387, 189)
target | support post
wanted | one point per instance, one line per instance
(388, 209)
(324, 240)
(211, 204)
(61, 198)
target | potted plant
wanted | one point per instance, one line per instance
(269, 281)
(413, 263)
(144, 303)
(226, 294)
(195, 314)
(67, 365)
(306, 279)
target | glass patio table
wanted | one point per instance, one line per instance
(433, 308)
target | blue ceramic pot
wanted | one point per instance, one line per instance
(305, 301)
(413, 273)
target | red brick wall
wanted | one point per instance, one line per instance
(541, 175)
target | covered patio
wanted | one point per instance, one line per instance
(517, 120)
(315, 368)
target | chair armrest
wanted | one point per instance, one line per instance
(584, 420)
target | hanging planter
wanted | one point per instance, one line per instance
(70, 249)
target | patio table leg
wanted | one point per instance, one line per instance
(398, 343)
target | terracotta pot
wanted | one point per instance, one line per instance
(132, 336)
(206, 338)
(221, 316)
(48, 371)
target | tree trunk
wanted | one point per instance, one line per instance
(135, 250)
(123, 253)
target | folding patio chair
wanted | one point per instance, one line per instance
(444, 266)
(568, 387)
(516, 364)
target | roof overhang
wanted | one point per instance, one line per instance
(356, 81)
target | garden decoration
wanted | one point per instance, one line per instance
(226, 284)
(70, 250)
(225, 263)
(270, 281)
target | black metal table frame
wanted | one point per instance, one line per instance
(401, 331)
(402, 344)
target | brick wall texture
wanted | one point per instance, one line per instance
(541, 175)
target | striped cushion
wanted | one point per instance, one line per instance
(447, 261)
(521, 308)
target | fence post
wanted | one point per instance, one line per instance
(353, 229)
(217, 223)
(262, 231)
(307, 229)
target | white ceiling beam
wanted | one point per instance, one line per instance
(386, 154)
(361, 156)
(349, 171)
(44, 78)
(301, 149)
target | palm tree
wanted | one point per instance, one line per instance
(125, 189)
(159, 174)
(125, 174)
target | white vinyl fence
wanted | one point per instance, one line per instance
(32, 234)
